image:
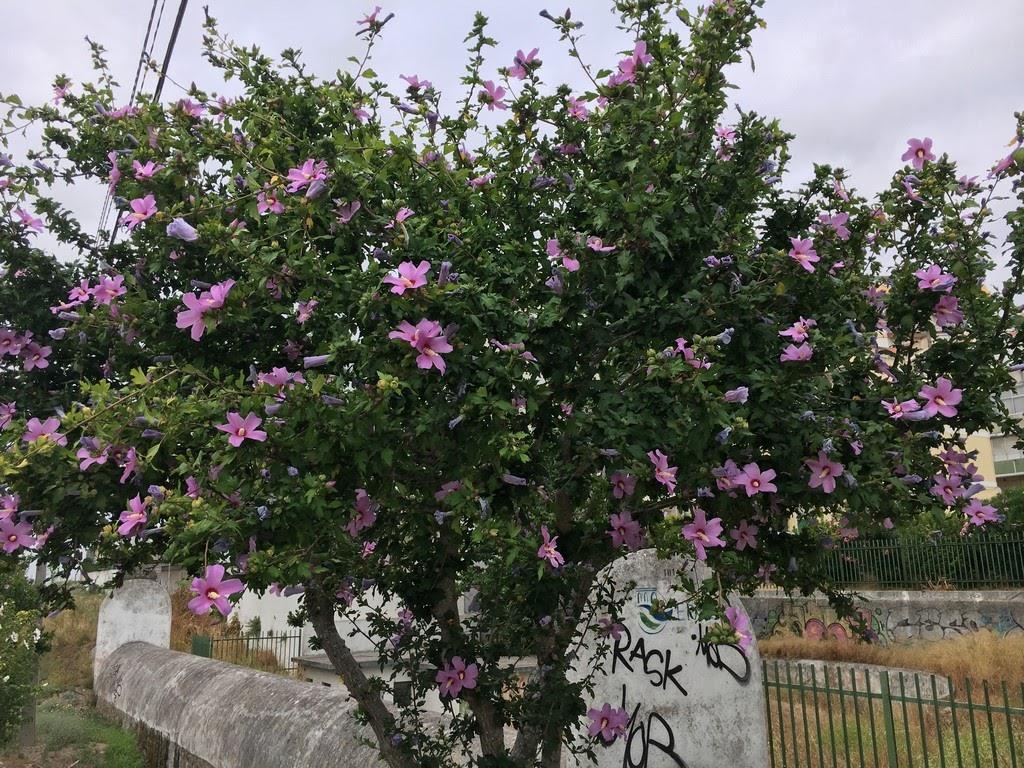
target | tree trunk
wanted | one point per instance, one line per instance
(548, 739)
(489, 725)
(27, 735)
(321, 609)
(551, 755)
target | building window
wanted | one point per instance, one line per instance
(1003, 448)
(1014, 401)
(403, 693)
(1008, 459)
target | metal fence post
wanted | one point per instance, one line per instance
(202, 645)
(890, 728)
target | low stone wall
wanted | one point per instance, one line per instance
(688, 702)
(893, 615)
(192, 712)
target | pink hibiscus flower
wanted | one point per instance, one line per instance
(241, 429)
(213, 591)
(623, 484)
(703, 533)
(607, 723)
(15, 535)
(625, 531)
(796, 353)
(548, 550)
(941, 399)
(410, 276)
(918, 152)
(755, 481)
(663, 473)
(44, 430)
(803, 253)
(306, 174)
(142, 208)
(456, 676)
(745, 535)
(134, 518)
(429, 341)
(823, 472)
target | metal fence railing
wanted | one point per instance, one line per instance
(983, 561)
(271, 653)
(826, 716)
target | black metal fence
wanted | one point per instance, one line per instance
(827, 716)
(271, 653)
(983, 561)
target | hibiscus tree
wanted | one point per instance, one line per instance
(349, 347)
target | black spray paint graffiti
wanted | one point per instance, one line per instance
(660, 674)
(909, 619)
(643, 736)
(727, 656)
(652, 734)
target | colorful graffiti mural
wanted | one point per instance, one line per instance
(888, 617)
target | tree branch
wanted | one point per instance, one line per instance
(530, 736)
(489, 724)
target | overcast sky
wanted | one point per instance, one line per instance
(853, 79)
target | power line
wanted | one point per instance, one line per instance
(147, 46)
(152, 44)
(148, 43)
(142, 55)
(170, 49)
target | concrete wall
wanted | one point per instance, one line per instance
(191, 712)
(272, 612)
(140, 611)
(893, 615)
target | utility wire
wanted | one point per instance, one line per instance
(152, 44)
(142, 55)
(147, 46)
(145, 57)
(170, 49)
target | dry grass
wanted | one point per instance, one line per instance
(976, 656)
(186, 625)
(818, 725)
(68, 664)
(815, 731)
(240, 653)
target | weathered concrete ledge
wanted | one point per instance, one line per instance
(192, 712)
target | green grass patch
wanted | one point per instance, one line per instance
(67, 734)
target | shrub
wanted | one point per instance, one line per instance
(383, 356)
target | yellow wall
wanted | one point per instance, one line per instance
(982, 443)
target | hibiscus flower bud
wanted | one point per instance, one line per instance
(444, 274)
